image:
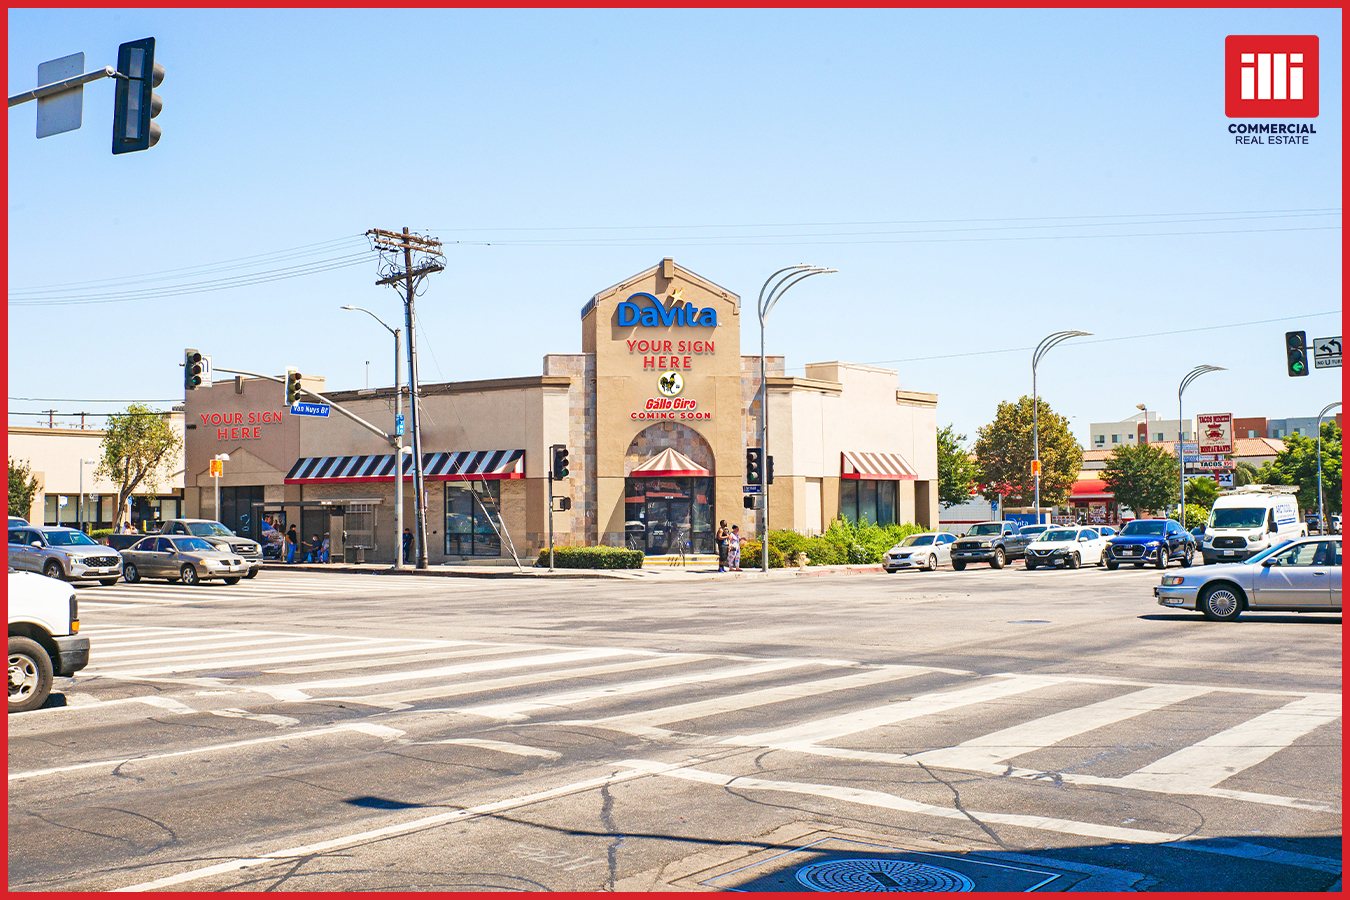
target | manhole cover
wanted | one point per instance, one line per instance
(880, 875)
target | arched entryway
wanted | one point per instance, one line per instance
(668, 496)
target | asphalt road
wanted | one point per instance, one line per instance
(983, 730)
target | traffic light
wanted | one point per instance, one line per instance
(754, 465)
(768, 470)
(559, 462)
(135, 103)
(1296, 347)
(292, 387)
(192, 370)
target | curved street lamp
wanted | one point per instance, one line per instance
(1041, 349)
(398, 448)
(774, 287)
(1181, 450)
(1321, 513)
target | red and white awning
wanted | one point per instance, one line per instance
(669, 463)
(462, 465)
(1091, 488)
(876, 466)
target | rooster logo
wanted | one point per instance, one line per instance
(670, 384)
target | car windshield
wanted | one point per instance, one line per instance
(1034, 529)
(1143, 528)
(988, 528)
(1237, 518)
(192, 545)
(917, 540)
(209, 529)
(69, 538)
(1059, 534)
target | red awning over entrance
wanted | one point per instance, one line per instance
(1091, 487)
(669, 463)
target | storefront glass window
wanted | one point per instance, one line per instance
(867, 501)
(468, 529)
(661, 514)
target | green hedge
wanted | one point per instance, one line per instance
(843, 543)
(99, 534)
(750, 550)
(592, 558)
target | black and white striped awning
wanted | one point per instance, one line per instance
(875, 466)
(457, 465)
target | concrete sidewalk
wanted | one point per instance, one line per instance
(652, 573)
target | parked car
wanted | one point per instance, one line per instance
(1312, 523)
(920, 551)
(1155, 541)
(993, 542)
(1302, 575)
(1105, 531)
(1031, 532)
(62, 553)
(15, 520)
(44, 621)
(1071, 546)
(220, 536)
(186, 559)
(1198, 532)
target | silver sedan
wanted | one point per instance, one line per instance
(920, 551)
(1302, 575)
(186, 559)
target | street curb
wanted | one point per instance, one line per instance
(653, 573)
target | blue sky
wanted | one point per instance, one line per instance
(979, 179)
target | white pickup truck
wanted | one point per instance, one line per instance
(44, 621)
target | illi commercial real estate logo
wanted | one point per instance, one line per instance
(1271, 77)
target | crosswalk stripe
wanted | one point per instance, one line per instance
(516, 710)
(401, 699)
(406, 659)
(200, 649)
(1221, 756)
(851, 723)
(646, 720)
(390, 646)
(984, 753)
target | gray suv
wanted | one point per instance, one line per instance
(63, 553)
(219, 536)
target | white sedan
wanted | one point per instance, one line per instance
(920, 551)
(1072, 545)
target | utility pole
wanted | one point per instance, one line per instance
(391, 245)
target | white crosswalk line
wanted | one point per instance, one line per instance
(836, 727)
(645, 722)
(516, 710)
(407, 659)
(1223, 755)
(201, 649)
(391, 646)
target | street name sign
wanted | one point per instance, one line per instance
(1327, 352)
(751, 488)
(301, 408)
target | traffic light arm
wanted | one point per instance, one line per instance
(57, 87)
(392, 439)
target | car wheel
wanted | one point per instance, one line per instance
(130, 574)
(932, 562)
(1188, 558)
(188, 575)
(1030, 564)
(959, 565)
(252, 573)
(1162, 558)
(107, 582)
(30, 674)
(999, 559)
(1112, 565)
(1074, 561)
(233, 579)
(53, 570)
(1221, 602)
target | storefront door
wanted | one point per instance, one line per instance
(661, 514)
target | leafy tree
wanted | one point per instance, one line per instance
(1297, 464)
(1246, 473)
(1196, 515)
(1142, 477)
(22, 487)
(957, 472)
(1003, 451)
(1201, 492)
(137, 444)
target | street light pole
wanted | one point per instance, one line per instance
(1321, 512)
(79, 506)
(1181, 451)
(397, 439)
(1041, 349)
(768, 297)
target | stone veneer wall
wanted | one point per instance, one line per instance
(752, 521)
(581, 521)
(657, 437)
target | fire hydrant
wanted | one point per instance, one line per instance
(801, 559)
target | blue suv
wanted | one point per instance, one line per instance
(1155, 541)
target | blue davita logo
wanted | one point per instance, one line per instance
(657, 316)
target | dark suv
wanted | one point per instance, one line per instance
(1155, 541)
(996, 543)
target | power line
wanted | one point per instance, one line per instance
(83, 400)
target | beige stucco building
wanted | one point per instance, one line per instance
(656, 411)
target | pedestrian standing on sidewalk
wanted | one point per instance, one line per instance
(734, 549)
(285, 545)
(294, 537)
(723, 534)
(407, 546)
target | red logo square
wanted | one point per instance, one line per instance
(1270, 76)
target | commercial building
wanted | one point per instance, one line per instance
(657, 410)
(1132, 431)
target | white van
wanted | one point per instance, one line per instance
(1250, 519)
